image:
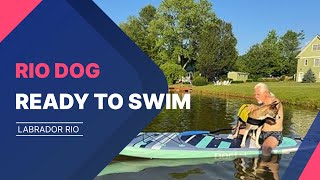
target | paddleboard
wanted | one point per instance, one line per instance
(197, 144)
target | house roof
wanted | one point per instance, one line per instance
(309, 44)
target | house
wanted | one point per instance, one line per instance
(238, 76)
(309, 58)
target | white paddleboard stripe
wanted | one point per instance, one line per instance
(158, 137)
(143, 141)
(190, 138)
(163, 141)
(168, 139)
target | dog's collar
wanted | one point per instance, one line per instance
(255, 121)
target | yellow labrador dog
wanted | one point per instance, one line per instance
(260, 114)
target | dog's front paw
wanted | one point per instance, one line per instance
(234, 136)
(258, 146)
(242, 145)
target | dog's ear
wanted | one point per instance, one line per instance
(275, 103)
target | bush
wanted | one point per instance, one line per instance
(271, 80)
(237, 82)
(309, 77)
(260, 80)
(283, 78)
(290, 78)
(223, 77)
(249, 80)
(196, 74)
(173, 72)
(200, 81)
(267, 80)
(255, 78)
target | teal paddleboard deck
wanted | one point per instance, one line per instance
(197, 144)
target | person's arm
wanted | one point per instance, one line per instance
(280, 111)
(252, 107)
(279, 107)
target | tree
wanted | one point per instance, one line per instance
(309, 77)
(255, 62)
(251, 62)
(240, 64)
(173, 72)
(290, 43)
(274, 56)
(177, 27)
(174, 32)
(134, 30)
(146, 15)
(137, 28)
(217, 53)
(264, 59)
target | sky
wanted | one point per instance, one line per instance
(251, 19)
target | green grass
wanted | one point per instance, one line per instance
(303, 94)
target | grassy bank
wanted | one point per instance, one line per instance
(304, 94)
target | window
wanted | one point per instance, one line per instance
(316, 47)
(306, 62)
(316, 62)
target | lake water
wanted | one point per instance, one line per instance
(210, 113)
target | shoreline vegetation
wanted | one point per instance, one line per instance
(289, 92)
(198, 41)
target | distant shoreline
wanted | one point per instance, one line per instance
(292, 93)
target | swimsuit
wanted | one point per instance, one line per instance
(277, 134)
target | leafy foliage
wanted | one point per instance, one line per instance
(196, 74)
(137, 28)
(263, 59)
(177, 28)
(173, 72)
(289, 45)
(237, 82)
(172, 32)
(217, 52)
(200, 81)
(188, 33)
(275, 56)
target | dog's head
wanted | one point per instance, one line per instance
(269, 112)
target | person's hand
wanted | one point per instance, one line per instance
(275, 101)
(251, 107)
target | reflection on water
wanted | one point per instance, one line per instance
(210, 113)
(206, 113)
(186, 174)
(301, 120)
(252, 168)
